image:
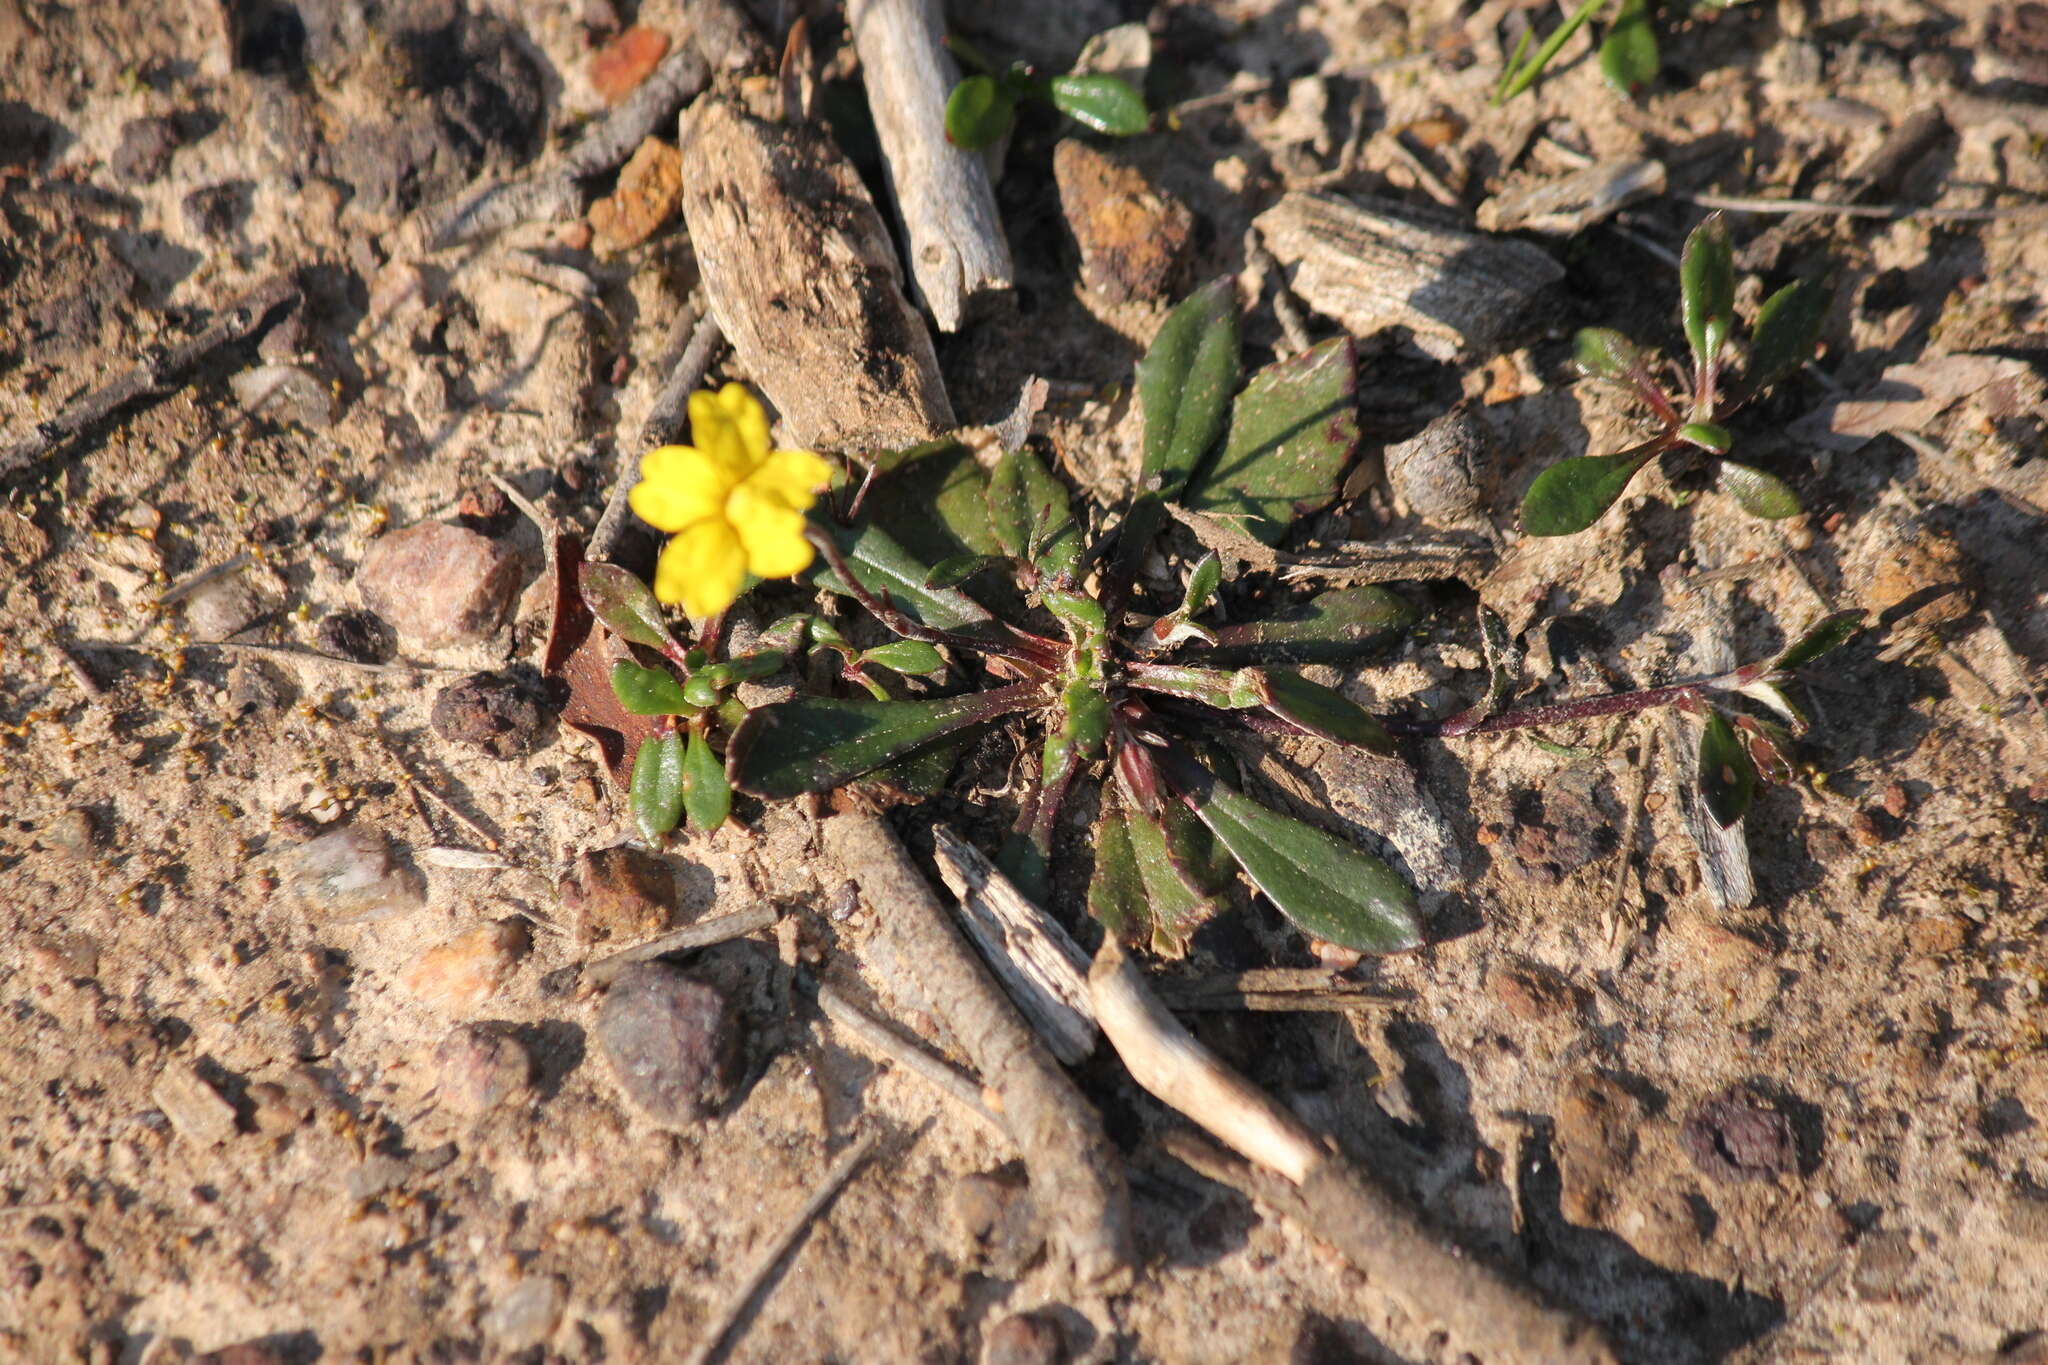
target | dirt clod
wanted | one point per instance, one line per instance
(144, 151)
(648, 198)
(498, 713)
(619, 895)
(671, 1042)
(1024, 1339)
(477, 1069)
(1736, 1137)
(1131, 233)
(359, 635)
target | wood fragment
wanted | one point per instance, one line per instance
(1275, 990)
(1374, 264)
(713, 1344)
(958, 254)
(1439, 1282)
(1353, 562)
(877, 1035)
(801, 275)
(159, 373)
(1572, 203)
(703, 934)
(1743, 203)
(1076, 1175)
(1038, 962)
(663, 426)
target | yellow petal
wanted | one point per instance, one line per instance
(771, 532)
(679, 485)
(791, 477)
(702, 569)
(731, 427)
(746, 414)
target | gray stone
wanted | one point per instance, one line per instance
(144, 151)
(221, 607)
(670, 1042)
(291, 395)
(525, 1315)
(375, 1176)
(439, 584)
(350, 873)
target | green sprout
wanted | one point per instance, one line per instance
(983, 106)
(1572, 494)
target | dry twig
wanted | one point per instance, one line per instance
(703, 934)
(879, 1036)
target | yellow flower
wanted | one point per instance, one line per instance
(731, 506)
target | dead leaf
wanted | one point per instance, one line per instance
(579, 656)
(1907, 398)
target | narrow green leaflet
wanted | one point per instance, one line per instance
(1706, 285)
(1761, 495)
(1707, 436)
(1175, 904)
(883, 566)
(913, 657)
(1628, 54)
(1293, 431)
(1105, 103)
(1825, 635)
(1570, 495)
(1323, 712)
(1727, 776)
(813, 744)
(935, 507)
(953, 571)
(1319, 881)
(1787, 332)
(656, 790)
(1031, 515)
(649, 691)
(1116, 890)
(978, 112)
(624, 603)
(707, 796)
(1336, 625)
(1605, 353)
(1184, 385)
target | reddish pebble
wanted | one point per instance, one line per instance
(1896, 800)
(621, 64)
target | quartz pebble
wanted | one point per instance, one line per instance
(439, 584)
(351, 873)
(670, 1042)
(525, 1315)
(477, 1069)
(468, 969)
(195, 1109)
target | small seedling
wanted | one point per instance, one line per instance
(1571, 495)
(983, 107)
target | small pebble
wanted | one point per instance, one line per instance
(467, 970)
(223, 607)
(497, 713)
(277, 1111)
(74, 832)
(649, 196)
(440, 584)
(195, 1109)
(1883, 1261)
(215, 211)
(1024, 1339)
(359, 635)
(144, 152)
(670, 1041)
(621, 64)
(290, 395)
(255, 689)
(376, 1175)
(1897, 803)
(242, 1353)
(525, 1315)
(351, 873)
(1734, 1137)
(619, 895)
(477, 1069)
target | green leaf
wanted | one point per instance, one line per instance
(1184, 385)
(1787, 332)
(883, 566)
(1519, 76)
(1337, 625)
(1105, 103)
(1323, 712)
(957, 569)
(935, 507)
(1825, 635)
(656, 790)
(1571, 495)
(1116, 889)
(1031, 516)
(978, 113)
(1203, 581)
(624, 603)
(1761, 495)
(813, 744)
(649, 691)
(911, 657)
(1710, 436)
(1706, 284)
(1322, 883)
(1292, 432)
(1727, 776)
(1628, 54)
(1176, 904)
(753, 667)
(707, 796)
(1606, 354)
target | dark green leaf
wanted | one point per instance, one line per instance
(1116, 890)
(1031, 515)
(656, 791)
(707, 796)
(1225, 690)
(1105, 103)
(952, 572)
(623, 603)
(1323, 712)
(936, 507)
(978, 113)
(1828, 634)
(1787, 332)
(1606, 354)
(1628, 54)
(649, 691)
(701, 690)
(1175, 904)
(883, 566)
(1292, 432)
(1341, 624)
(1023, 862)
(1203, 581)
(813, 744)
(1570, 495)
(912, 657)
(1727, 777)
(1707, 436)
(1520, 75)
(1322, 883)
(1184, 385)
(753, 667)
(1761, 495)
(1706, 284)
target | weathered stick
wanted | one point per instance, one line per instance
(803, 278)
(703, 934)
(876, 1035)
(664, 423)
(1075, 1174)
(158, 374)
(956, 246)
(1435, 1279)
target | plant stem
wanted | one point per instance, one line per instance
(886, 612)
(1525, 76)
(1557, 713)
